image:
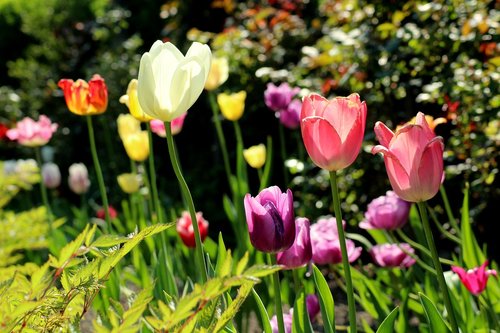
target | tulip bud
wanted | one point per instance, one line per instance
(132, 102)
(186, 231)
(387, 212)
(277, 98)
(127, 125)
(255, 156)
(393, 255)
(137, 146)
(290, 117)
(101, 213)
(51, 175)
(232, 105)
(474, 279)
(129, 182)
(84, 98)
(78, 179)
(218, 74)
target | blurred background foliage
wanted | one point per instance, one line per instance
(438, 57)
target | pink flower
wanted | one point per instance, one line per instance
(186, 231)
(287, 320)
(326, 246)
(312, 304)
(413, 158)
(101, 213)
(392, 255)
(474, 279)
(386, 212)
(300, 253)
(333, 130)
(51, 175)
(158, 126)
(277, 98)
(290, 117)
(32, 133)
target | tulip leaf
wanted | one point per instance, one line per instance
(434, 318)
(325, 300)
(266, 325)
(267, 168)
(472, 254)
(301, 322)
(387, 325)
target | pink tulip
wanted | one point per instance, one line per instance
(474, 279)
(333, 130)
(287, 320)
(386, 212)
(290, 117)
(158, 126)
(392, 255)
(32, 133)
(300, 253)
(413, 159)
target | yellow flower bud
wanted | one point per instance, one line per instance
(255, 156)
(127, 125)
(219, 72)
(132, 102)
(137, 146)
(232, 105)
(129, 182)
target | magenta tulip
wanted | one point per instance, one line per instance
(393, 255)
(413, 158)
(270, 219)
(277, 98)
(300, 253)
(312, 304)
(31, 133)
(290, 117)
(333, 130)
(475, 279)
(158, 126)
(387, 212)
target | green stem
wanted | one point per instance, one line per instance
(283, 153)
(98, 171)
(277, 295)
(187, 196)
(445, 232)
(437, 265)
(343, 249)
(149, 199)
(447, 208)
(152, 174)
(491, 310)
(43, 189)
(220, 136)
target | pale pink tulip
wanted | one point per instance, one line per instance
(413, 159)
(333, 130)
(32, 133)
(393, 255)
(158, 126)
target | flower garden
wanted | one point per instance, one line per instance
(249, 166)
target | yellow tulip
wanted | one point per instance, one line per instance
(132, 102)
(129, 182)
(232, 105)
(219, 72)
(127, 125)
(255, 156)
(137, 146)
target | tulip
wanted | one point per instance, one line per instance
(129, 182)
(326, 246)
(387, 212)
(270, 219)
(333, 130)
(78, 179)
(290, 117)
(413, 158)
(433, 122)
(287, 319)
(232, 105)
(127, 125)
(132, 102)
(474, 279)
(393, 255)
(169, 82)
(137, 146)
(300, 253)
(101, 214)
(32, 133)
(185, 228)
(3, 131)
(158, 126)
(312, 304)
(51, 175)
(255, 156)
(27, 171)
(84, 98)
(277, 98)
(218, 74)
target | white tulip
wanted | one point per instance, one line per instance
(169, 82)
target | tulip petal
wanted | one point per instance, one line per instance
(341, 113)
(204, 55)
(430, 169)
(351, 144)
(322, 142)
(312, 104)
(383, 133)
(146, 87)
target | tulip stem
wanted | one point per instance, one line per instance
(437, 265)
(343, 249)
(152, 174)
(447, 208)
(189, 199)
(43, 189)
(100, 179)
(277, 295)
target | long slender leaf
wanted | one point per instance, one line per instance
(266, 325)
(434, 319)
(387, 325)
(325, 300)
(301, 322)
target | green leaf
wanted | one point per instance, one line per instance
(109, 241)
(229, 209)
(266, 324)
(325, 300)
(301, 322)
(242, 264)
(71, 249)
(233, 308)
(434, 319)
(387, 325)
(472, 254)
(258, 271)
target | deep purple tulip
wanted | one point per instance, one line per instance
(290, 117)
(326, 245)
(277, 98)
(270, 219)
(300, 253)
(392, 255)
(312, 304)
(386, 212)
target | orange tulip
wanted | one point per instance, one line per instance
(85, 99)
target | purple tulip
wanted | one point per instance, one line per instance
(300, 253)
(51, 175)
(287, 319)
(326, 245)
(270, 219)
(386, 212)
(392, 255)
(312, 304)
(290, 117)
(277, 98)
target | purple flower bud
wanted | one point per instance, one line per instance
(287, 319)
(270, 219)
(51, 175)
(312, 304)
(392, 255)
(290, 117)
(386, 212)
(300, 253)
(277, 98)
